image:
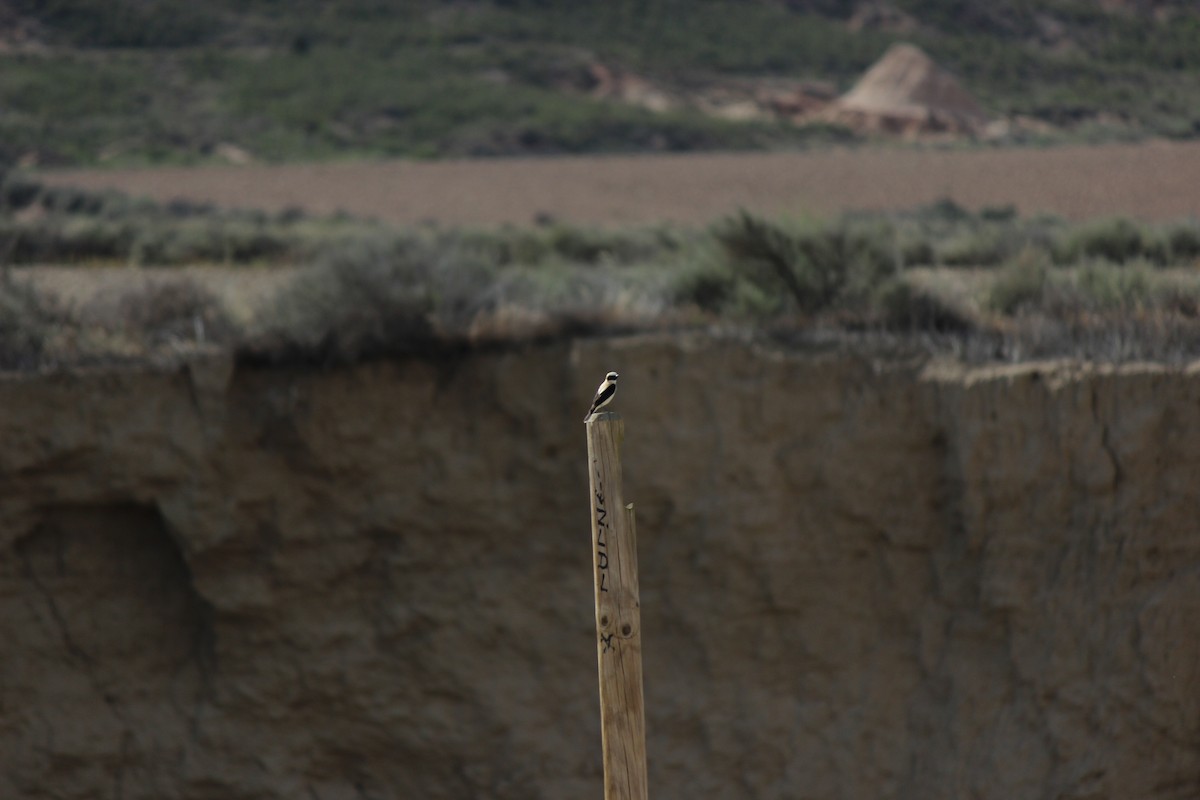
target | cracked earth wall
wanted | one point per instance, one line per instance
(860, 578)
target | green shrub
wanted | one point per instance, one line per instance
(773, 260)
(129, 23)
(1020, 284)
(593, 245)
(754, 301)
(1183, 243)
(1106, 287)
(508, 246)
(580, 245)
(944, 210)
(709, 286)
(904, 307)
(980, 248)
(808, 268)
(918, 252)
(1117, 240)
(18, 192)
(871, 253)
(65, 240)
(1004, 213)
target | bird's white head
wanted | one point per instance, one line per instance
(611, 377)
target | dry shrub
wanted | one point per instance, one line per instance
(1153, 335)
(176, 311)
(172, 311)
(29, 323)
(563, 300)
(376, 297)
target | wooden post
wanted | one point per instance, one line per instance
(618, 615)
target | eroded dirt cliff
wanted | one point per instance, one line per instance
(860, 578)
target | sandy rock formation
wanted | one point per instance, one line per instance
(906, 93)
(860, 578)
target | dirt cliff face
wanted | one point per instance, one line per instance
(859, 579)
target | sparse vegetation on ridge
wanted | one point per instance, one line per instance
(358, 288)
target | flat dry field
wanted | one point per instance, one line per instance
(1153, 181)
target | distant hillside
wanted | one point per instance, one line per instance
(154, 81)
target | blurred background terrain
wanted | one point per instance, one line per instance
(159, 81)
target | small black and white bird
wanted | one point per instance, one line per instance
(604, 394)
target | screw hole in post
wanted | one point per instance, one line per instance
(626, 629)
(604, 621)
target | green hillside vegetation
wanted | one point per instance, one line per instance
(988, 285)
(157, 81)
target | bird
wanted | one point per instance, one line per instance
(604, 394)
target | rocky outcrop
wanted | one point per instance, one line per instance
(906, 93)
(860, 578)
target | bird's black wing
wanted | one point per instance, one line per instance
(602, 397)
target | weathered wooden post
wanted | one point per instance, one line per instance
(618, 615)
